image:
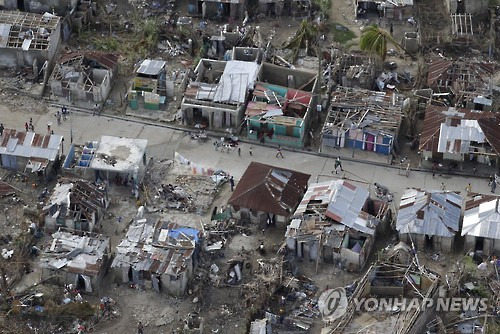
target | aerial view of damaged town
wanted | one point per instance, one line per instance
(250, 166)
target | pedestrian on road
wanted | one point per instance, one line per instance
(443, 186)
(31, 122)
(239, 151)
(231, 182)
(250, 150)
(140, 328)
(58, 117)
(468, 188)
(491, 180)
(1, 129)
(338, 165)
(434, 169)
(26, 126)
(493, 186)
(279, 152)
(48, 127)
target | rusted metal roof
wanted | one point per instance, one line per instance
(270, 189)
(107, 60)
(491, 130)
(30, 144)
(436, 115)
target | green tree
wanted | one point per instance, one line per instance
(374, 40)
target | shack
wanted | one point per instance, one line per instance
(460, 134)
(282, 106)
(29, 151)
(149, 86)
(216, 97)
(429, 219)
(364, 120)
(160, 255)
(267, 194)
(481, 226)
(76, 204)
(331, 224)
(76, 258)
(84, 76)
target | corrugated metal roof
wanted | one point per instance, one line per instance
(433, 213)
(482, 217)
(346, 206)
(4, 34)
(491, 130)
(262, 188)
(151, 67)
(456, 139)
(30, 145)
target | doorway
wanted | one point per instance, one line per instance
(20, 5)
(479, 244)
(80, 283)
(429, 242)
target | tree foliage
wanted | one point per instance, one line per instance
(374, 41)
(304, 38)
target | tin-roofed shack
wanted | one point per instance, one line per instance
(481, 225)
(76, 204)
(429, 219)
(160, 255)
(364, 120)
(267, 194)
(76, 258)
(84, 76)
(26, 37)
(335, 222)
(29, 151)
(149, 86)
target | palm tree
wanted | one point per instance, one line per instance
(374, 40)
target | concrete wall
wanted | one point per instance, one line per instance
(490, 246)
(474, 7)
(441, 244)
(256, 217)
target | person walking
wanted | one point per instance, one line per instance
(493, 186)
(338, 165)
(443, 186)
(231, 182)
(250, 150)
(1, 129)
(491, 180)
(26, 126)
(239, 151)
(140, 328)
(279, 152)
(468, 188)
(58, 117)
(48, 126)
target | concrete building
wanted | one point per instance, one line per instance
(332, 225)
(84, 76)
(217, 96)
(364, 120)
(429, 219)
(267, 194)
(76, 204)
(234, 9)
(397, 10)
(354, 70)
(28, 39)
(29, 151)
(160, 255)
(118, 159)
(481, 225)
(282, 106)
(76, 258)
(460, 134)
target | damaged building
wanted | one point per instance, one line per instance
(76, 258)
(76, 204)
(397, 10)
(331, 224)
(235, 9)
(282, 106)
(118, 159)
(84, 76)
(354, 70)
(29, 151)
(460, 134)
(28, 39)
(429, 219)
(267, 194)
(363, 120)
(217, 96)
(462, 83)
(481, 225)
(160, 255)
(397, 276)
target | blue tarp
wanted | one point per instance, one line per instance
(187, 231)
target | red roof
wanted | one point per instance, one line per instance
(270, 189)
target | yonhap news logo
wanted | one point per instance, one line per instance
(332, 304)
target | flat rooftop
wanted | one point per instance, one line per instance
(118, 154)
